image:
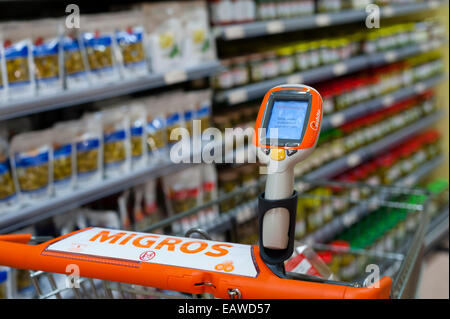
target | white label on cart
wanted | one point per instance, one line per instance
(228, 258)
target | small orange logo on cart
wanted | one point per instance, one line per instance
(226, 266)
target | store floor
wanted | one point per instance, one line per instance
(434, 283)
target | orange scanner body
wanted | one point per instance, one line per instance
(312, 129)
(14, 252)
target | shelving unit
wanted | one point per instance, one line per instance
(261, 28)
(13, 109)
(342, 222)
(361, 109)
(256, 90)
(327, 171)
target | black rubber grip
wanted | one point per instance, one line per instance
(277, 256)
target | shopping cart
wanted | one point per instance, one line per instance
(108, 274)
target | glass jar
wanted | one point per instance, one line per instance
(286, 60)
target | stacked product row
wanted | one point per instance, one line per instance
(103, 144)
(270, 62)
(224, 12)
(48, 56)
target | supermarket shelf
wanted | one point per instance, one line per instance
(256, 90)
(27, 215)
(260, 28)
(361, 109)
(13, 109)
(331, 169)
(437, 229)
(357, 212)
(360, 155)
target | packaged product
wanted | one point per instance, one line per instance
(5, 282)
(101, 218)
(89, 148)
(155, 130)
(98, 41)
(47, 55)
(204, 110)
(32, 161)
(174, 118)
(75, 61)
(8, 196)
(116, 141)
(182, 192)
(138, 122)
(18, 59)
(64, 156)
(130, 38)
(209, 193)
(221, 12)
(199, 43)
(3, 78)
(165, 36)
(147, 211)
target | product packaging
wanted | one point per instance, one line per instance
(5, 282)
(3, 77)
(116, 141)
(156, 134)
(18, 59)
(8, 195)
(98, 41)
(306, 261)
(32, 162)
(101, 218)
(47, 55)
(209, 193)
(138, 117)
(89, 148)
(64, 156)
(182, 192)
(199, 45)
(75, 61)
(152, 211)
(130, 38)
(165, 35)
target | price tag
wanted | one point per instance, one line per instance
(275, 27)
(340, 68)
(353, 160)
(388, 12)
(337, 119)
(323, 20)
(237, 96)
(294, 79)
(390, 56)
(234, 32)
(388, 100)
(420, 87)
(175, 76)
(349, 219)
(433, 4)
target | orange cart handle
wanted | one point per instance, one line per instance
(15, 253)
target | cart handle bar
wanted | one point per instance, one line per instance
(16, 253)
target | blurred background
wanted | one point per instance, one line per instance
(90, 92)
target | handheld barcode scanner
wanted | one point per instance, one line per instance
(286, 132)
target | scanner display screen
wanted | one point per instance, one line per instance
(287, 120)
